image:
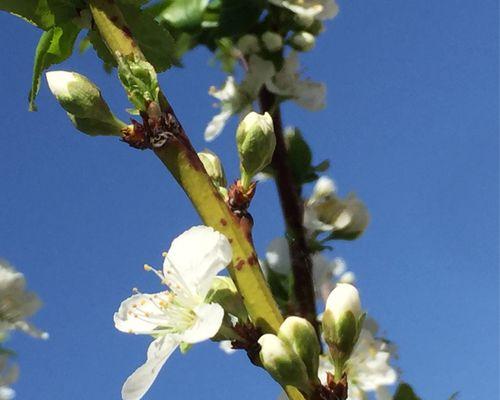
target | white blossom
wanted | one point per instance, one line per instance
(368, 369)
(326, 273)
(326, 211)
(238, 98)
(287, 83)
(17, 304)
(318, 9)
(180, 314)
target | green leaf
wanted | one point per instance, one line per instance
(154, 40)
(239, 16)
(43, 13)
(184, 15)
(55, 46)
(300, 158)
(405, 392)
(109, 62)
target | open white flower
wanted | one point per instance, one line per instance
(287, 83)
(238, 98)
(326, 273)
(368, 369)
(179, 315)
(17, 304)
(326, 211)
(318, 9)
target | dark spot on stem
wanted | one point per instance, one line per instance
(223, 222)
(239, 265)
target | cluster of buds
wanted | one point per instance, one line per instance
(342, 322)
(292, 356)
(84, 104)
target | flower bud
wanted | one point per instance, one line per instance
(223, 291)
(303, 41)
(300, 335)
(342, 321)
(256, 141)
(84, 104)
(272, 41)
(284, 365)
(303, 20)
(213, 166)
(248, 44)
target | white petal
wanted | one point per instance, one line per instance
(226, 347)
(198, 255)
(143, 377)
(278, 256)
(216, 125)
(140, 313)
(207, 324)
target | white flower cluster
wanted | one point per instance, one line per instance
(16, 305)
(285, 81)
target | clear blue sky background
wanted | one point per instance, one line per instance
(411, 126)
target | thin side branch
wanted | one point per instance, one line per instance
(293, 213)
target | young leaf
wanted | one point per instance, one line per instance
(405, 392)
(154, 40)
(43, 13)
(101, 50)
(55, 46)
(184, 15)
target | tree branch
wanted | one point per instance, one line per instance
(291, 204)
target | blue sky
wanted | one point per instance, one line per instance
(411, 126)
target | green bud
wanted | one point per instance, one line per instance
(303, 21)
(213, 166)
(342, 322)
(139, 80)
(82, 99)
(224, 292)
(256, 142)
(303, 41)
(272, 41)
(300, 335)
(282, 363)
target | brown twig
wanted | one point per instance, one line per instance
(293, 213)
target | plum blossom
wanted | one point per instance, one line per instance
(238, 98)
(325, 211)
(287, 83)
(326, 273)
(180, 314)
(17, 304)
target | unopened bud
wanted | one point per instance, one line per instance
(300, 335)
(84, 104)
(342, 321)
(256, 142)
(302, 20)
(272, 41)
(248, 44)
(284, 365)
(303, 41)
(223, 291)
(213, 166)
